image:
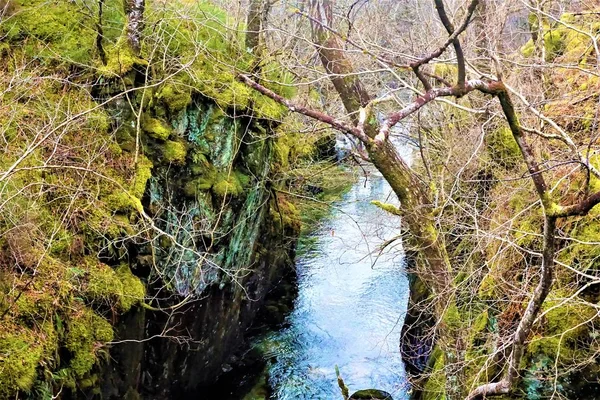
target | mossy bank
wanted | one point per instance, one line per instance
(145, 199)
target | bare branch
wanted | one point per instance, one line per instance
(329, 120)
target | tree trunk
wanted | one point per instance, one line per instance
(134, 11)
(254, 25)
(413, 194)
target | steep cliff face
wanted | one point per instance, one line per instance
(141, 226)
(228, 240)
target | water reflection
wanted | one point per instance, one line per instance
(351, 303)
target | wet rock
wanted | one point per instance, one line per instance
(371, 394)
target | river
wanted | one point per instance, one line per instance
(351, 302)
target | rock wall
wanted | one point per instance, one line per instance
(234, 242)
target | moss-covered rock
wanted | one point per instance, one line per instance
(20, 355)
(435, 388)
(174, 152)
(60, 32)
(156, 128)
(371, 394)
(175, 98)
(86, 332)
(81, 219)
(134, 290)
(232, 183)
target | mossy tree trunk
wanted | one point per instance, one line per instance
(414, 195)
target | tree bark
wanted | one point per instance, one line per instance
(254, 25)
(134, 11)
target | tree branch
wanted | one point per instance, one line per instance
(581, 208)
(460, 56)
(453, 35)
(426, 98)
(319, 116)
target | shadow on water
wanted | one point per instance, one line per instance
(351, 303)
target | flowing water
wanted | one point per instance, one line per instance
(351, 303)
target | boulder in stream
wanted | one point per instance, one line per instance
(371, 394)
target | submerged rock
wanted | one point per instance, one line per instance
(371, 394)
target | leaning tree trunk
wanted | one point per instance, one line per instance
(417, 209)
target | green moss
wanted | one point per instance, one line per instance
(120, 60)
(20, 354)
(156, 128)
(33, 305)
(175, 98)
(174, 152)
(49, 338)
(480, 323)
(285, 214)
(231, 184)
(192, 187)
(134, 290)
(554, 40)
(528, 49)
(142, 175)
(62, 30)
(565, 329)
(86, 332)
(435, 388)
(563, 42)
(117, 288)
(371, 394)
(120, 201)
(583, 253)
(446, 71)
(503, 148)
(452, 317)
(390, 208)
(213, 71)
(103, 285)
